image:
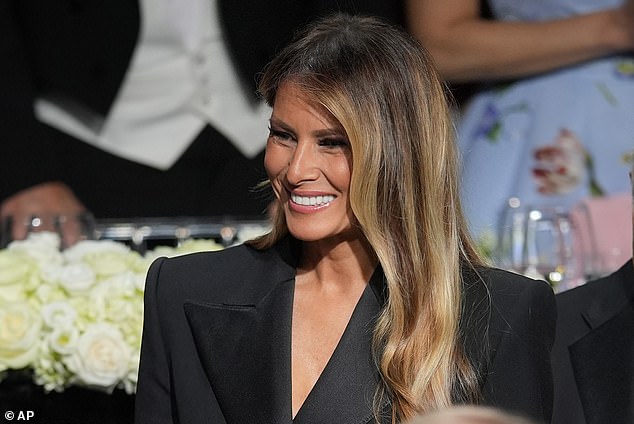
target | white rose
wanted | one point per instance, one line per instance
(105, 257)
(18, 274)
(78, 251)
(76, 278)
(20, 328)
(107, 264)
(101, 358)
(63, 340)
(41, 246)
(49, 273)
(40, 239)
(48, 293)
(58, 314)
(115, 299)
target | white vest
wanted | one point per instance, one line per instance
(180, 79)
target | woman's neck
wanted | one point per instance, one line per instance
(343, 262)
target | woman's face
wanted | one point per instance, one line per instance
(309, 162)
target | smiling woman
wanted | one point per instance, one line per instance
(367, 301)
(309, 162)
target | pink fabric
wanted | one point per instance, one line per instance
(603, 226)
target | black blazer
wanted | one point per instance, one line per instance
(217, 344)
(593, 356)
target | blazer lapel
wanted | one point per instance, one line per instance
(245, 348)
(245, 351)
(345, 391)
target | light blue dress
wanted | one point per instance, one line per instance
(551, 139)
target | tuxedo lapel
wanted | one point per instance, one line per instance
(344, 393)
(602, 358)
(245, 352)
(603, 364)
(617, 290)
(81, 50)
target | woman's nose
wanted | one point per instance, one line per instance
(303, 164)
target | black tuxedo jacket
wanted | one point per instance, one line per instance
(217, 344)
(80, 50)
(593, 356)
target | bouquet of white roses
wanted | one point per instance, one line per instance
(75, 316)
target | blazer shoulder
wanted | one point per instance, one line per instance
(239, 272)
(596, 301)
(219, 259)
(613, 287)
(503, 286)
(503, 301)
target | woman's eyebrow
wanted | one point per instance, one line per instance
(334, 131)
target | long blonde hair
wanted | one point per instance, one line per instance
(380, 84)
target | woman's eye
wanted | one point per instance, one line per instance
(333, 142)
(280, 135)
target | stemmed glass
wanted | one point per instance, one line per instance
(509, 252)
(539, 241)
(550, 239)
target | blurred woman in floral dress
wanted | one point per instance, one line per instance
(556, 122)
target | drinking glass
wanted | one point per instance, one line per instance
(509, 252)
(549, 247)
(539, 241)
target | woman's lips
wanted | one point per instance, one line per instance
(312, 203)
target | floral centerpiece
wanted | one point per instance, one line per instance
(74, 317)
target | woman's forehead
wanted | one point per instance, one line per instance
(292, 96)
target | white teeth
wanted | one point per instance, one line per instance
(312, 200)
